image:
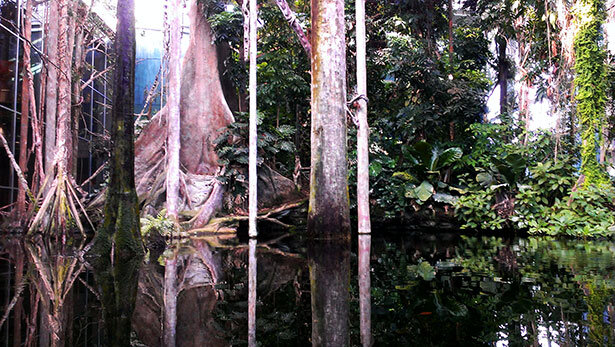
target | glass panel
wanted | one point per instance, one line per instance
(8, 13)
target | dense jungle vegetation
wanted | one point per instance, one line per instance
(439, 157)
(436, 158)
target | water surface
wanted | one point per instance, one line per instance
(422, 288)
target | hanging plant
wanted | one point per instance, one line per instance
(590, 82)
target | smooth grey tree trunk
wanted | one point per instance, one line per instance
(328, 215)
(364, 226)
(173, 125)
(252, 172)
(51, 96)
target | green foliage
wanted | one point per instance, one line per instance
(427, 164)
(488, 287)
(522, 188)
(590, 81)
(159, 224)
(419, 176)
(232, 149)
(588, 212)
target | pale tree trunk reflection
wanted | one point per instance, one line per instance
(189, 296)
(329, 262)
(57, 269)
(365, 304)
(170, 301)
(252, 294)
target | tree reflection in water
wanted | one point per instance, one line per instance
(329, 263)
(365, 287)
(428, 289)
(252, 276)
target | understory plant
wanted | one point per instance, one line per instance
(523, 187)
(275, 150)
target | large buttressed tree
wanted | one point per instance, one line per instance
(204, 112)
(329, 214)
(204, 115)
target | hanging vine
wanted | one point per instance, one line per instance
(590, 82)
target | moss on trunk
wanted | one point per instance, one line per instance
(121, 226)
(590, 81)
(119, 245)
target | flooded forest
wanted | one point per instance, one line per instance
(307, 172)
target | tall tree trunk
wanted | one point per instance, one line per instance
(78, 71)
(64, 92)
(173, 104)
(450, 29)
(25, 108)
(203, 113)
(253, 137)
(329, 215)
(200, 75)
(121, 208)
(51, 96)
(119, 241)
(502, 73)
(363, 131)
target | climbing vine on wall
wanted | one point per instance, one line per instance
(590, 82)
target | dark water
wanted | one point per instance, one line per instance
(426, 289)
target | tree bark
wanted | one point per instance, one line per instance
(63, 86)
(502, 74)
(121, 209)
(291, 18)
(51, 96)
(208, 114)
(328, 215)
(204, 113)
(363, 131)
(119, 241)
(78, 70)
(173, 102)
(25, 108)
(253, 136)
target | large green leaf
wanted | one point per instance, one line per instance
(484, 179)
(424, 151)
(517, 164)
(375, 168)
(449, 156)
(424, 191)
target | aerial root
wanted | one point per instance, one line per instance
(60, 206)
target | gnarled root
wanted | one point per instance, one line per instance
(61, 205)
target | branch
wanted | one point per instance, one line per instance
(291, 18)
(20, 174)
(95, 76)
